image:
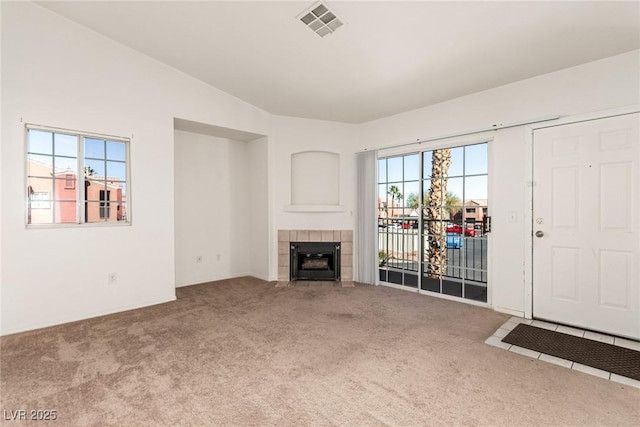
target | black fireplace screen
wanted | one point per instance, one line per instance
(315, 261)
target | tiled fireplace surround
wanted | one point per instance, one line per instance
(345, 237)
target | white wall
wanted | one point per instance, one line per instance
(606, 84)
(57, 73)
(292, 135)
(210, 220)
(259, 208)
(221, 208)
(239, 208)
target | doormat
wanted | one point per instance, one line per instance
(607, 357)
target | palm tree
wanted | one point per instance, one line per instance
(395, 193)
(413, 201)
(452, 204)
(438, 198)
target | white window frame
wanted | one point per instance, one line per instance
(40, 202)
(79, 189)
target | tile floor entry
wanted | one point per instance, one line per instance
(496, 341)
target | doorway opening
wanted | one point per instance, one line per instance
(432, 221)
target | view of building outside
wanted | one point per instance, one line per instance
(58, 194)
(431, 209)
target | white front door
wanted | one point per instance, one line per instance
(586, 218)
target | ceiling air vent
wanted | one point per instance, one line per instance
(321, 19)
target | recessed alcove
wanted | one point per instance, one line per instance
(215, 240)
(315, 182)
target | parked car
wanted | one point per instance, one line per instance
(454, 241)
(410, 225)
(457, 229)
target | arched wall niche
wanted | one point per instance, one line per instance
(315, 181)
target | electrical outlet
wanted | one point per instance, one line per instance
(112, 278)
(199, 259)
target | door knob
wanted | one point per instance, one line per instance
(539, 233)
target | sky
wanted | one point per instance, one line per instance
(105, 158)
(467, 173)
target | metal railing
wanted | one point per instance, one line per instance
(400, 249)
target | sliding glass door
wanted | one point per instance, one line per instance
(432, 209)
(398, 237)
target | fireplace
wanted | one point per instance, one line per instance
(314, 261)
(287, 237)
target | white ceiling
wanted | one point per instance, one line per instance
(390, 57)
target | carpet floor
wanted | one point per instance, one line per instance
(243, 352)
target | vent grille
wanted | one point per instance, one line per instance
(321, 19)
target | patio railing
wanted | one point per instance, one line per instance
(399, 248)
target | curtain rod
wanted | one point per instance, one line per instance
(472, 132)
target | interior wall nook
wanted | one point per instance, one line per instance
(315, 178)
(221, 227)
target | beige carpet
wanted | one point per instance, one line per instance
(243, 352)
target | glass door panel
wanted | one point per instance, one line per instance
(431, 211)
(398, 245)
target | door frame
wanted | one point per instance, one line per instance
(466, 139)
(530, 183)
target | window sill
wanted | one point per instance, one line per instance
(78, 225)
(314, 208)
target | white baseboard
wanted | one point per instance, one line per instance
(509, 311)
(77, 318)
(232, 276)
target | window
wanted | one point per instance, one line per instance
(58, 159)
(70, 181)
(427, 236)
(104, 203)
(40, 200)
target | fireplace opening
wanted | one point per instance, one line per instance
(315, 261)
